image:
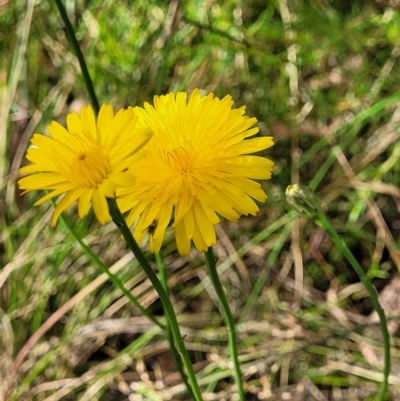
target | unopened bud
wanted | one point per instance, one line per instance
(303, 200)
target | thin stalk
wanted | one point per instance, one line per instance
(305, 202)
(162, 271)
(328, 227)
(113, 278)
(212, 271)
(175, 353)
(168, 308)
(79, 55)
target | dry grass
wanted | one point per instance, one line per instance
(322, 77)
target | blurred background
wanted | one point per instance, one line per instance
(322, 77)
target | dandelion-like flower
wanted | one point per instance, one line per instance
(85, 162)
(196, 166)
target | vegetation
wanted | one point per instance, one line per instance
(322, 78)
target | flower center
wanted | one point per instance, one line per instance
(90, 168)
(180, 160)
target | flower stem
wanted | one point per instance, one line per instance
(79, 55)
(168, 308)
(212, 271)
(305, 202)
(323, 221)
(175, 353)
(113, 278)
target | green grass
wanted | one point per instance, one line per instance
(304, 317)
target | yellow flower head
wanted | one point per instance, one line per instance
(197, 164)
(87, 161)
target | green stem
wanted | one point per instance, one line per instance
(79, 55)
(163, 272)
(168, 308)
(212, 271)
(328, 227)
(175, 353)
(113, 278)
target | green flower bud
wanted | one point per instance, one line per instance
(303, 200)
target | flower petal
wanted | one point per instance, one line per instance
(181, 238)
(56, 192)
(65, 202)
(84, 202)
(74, 123)
(105, 122)
(100, 207)
(41, 181)
(204, 225)
(250, 146)
(89, 122)
(124, 179)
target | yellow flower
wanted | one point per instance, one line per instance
(197, 165)
(85, 162)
